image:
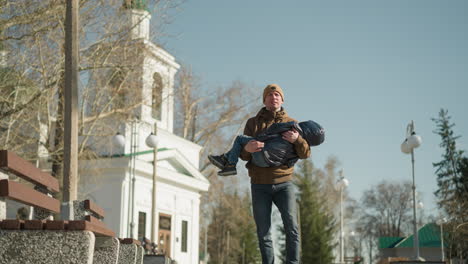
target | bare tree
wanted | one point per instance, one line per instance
(232, 237)
(32, 77)
(385, 210)
(209, 116)
(212, 117)
(389, 205)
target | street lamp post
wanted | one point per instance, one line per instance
(357, 240)
(119, 141)
(441, 222)
(341, 184)
(350, 242)
(152, 142)
(411, 142)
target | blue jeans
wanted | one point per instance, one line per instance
(233, 154)
(283, 195)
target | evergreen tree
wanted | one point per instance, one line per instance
(247, 231)
(447, 170)
(316, 222)
(458, 240)
(462, 186)
(461, 235)
(452, 180)
(232, 234)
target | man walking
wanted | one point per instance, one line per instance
(273, 184)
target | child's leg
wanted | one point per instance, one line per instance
(233, 154)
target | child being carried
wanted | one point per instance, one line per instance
(276, 151)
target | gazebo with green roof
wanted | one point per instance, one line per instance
(429, 244)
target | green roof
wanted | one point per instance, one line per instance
(389, 242)
(137, 153)
(429, 236)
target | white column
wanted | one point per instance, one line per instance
(194, 252)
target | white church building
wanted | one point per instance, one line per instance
(124, 186)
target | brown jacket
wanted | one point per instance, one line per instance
(257, 125)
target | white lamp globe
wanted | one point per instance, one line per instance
(405, 148)
(414, 141)
(441, 221)
(345, 182)
(342, 183)
(119, 140)
(420, 205)
(152, 141)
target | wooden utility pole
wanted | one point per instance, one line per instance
(70, 155)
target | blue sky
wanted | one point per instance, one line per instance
(362, 69)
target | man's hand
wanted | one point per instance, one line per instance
(291, 135)
(254, 146)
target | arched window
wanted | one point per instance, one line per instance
(156, 100)
(117, 88)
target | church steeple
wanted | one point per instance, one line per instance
(138, 18)
(145, 83)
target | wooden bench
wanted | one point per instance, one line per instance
(40, 198)
(51, 243)
(88, 217)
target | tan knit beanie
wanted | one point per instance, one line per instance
(272, 88)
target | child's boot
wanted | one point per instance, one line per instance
(219, 161)
(228, 170)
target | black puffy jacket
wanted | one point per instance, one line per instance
(278, 151)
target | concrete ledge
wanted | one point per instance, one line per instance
(139, 256)
(2, 200)
(48, 247)
(106, 250)
(127, 254)
(2, 208)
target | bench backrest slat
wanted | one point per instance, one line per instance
(10, 162)
(94, 220)
(23, 194)
(88, 205)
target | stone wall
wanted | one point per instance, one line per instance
(46, 247)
